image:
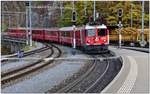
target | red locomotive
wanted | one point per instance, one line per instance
(96, 38)
(88, 38)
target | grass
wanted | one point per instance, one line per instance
(4, 27)
(27, 47)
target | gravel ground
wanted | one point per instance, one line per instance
(45, 79)
(114, 68)
(71, 78)
(98, 70)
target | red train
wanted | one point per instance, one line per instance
(88, 38)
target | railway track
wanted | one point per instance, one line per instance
(88, 82)
(31, 67)
(46, 47)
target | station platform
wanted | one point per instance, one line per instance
(134, 75)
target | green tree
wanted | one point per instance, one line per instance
(108, 10)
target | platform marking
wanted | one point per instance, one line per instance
(131, 78)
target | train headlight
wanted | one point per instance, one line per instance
(88, 41)
(96, 39)
(104, 40)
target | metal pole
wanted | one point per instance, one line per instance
(85, 7)
(73, 4)
(143, 21)
(74, 39)
(9, 21)
(94, 11)
(120, 34)
(1, 17)
(61, 8)
(17, 20)
(119, 37)
(120, 12)
(27, 35)
(131, 15)
(30, 23)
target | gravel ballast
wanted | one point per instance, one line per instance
(51, 76)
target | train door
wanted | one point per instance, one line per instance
(82, 36)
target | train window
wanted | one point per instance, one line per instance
(12, 31)
(53, 33)
(49, 33)
(101, 32)
(78, 35)
(67, 34)
(36, 32)
(33, 32)
(63, 34)
(91, 32)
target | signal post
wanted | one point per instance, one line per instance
(120, 12)
(28, 24)
(74, 15)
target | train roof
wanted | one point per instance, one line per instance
(102, 26)
(52, 29)
(95, 26)
(89, 27)
(23, 28)
(70, 28)
(17, 28)
(48, 29)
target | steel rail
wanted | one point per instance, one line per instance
(89, 89)
(74, 83)
(28, 69)
(77, 81)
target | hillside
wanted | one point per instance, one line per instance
(48, 17)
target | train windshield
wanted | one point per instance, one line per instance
(91, 32)
(102, 32)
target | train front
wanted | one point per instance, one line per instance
(96, 39)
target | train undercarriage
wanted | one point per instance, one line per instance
(95, 49)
